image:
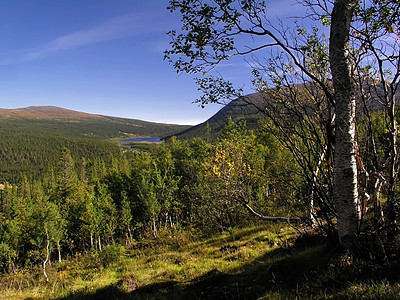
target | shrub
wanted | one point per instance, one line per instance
(111, 254)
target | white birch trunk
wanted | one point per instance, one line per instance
(393, 130)
(59, 251)
(47, 254)
(345, 190)
(91, 241)
(99, 240)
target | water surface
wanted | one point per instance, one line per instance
(142, 139)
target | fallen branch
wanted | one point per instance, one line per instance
(276, 219)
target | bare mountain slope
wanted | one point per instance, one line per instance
(45, 112)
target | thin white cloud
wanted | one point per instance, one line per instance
(116, 28)
(229, 65)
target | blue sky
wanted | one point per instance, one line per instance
(99, 56)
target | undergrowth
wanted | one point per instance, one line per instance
(259, 262)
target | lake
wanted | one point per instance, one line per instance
(142, 139)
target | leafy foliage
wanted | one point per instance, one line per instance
(85, 205)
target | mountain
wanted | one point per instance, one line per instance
(45, 112)
(60, 121)
(247, 108)
(250, 108)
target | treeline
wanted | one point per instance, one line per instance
(79, 206)
(31, 153)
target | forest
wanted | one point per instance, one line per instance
(108, 205)
(30, 143)
(31, 154)
(76, 207)
(314, 183)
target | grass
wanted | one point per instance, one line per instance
(259, 262)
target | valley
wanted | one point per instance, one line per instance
(289, 191)
(127, 216)
(33, 137)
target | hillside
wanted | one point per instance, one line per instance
(250, 109)
(31, 138)
(247, 108)
(44, 112)
(259, 262)
(65, 122)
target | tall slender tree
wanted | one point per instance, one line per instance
(345, 175)
(214, 31)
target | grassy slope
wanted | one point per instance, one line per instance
(251, 263)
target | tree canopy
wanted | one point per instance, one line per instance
(361, 52)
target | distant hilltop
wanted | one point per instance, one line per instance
(46, 112)
(66, 122)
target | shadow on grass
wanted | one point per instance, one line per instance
(244, 235)
(276, 274)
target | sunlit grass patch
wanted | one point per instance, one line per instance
(179, 263)
(372, 290)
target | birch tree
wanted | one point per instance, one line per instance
(345, 175)
(215, 31)
(375, 36)
(47, 228)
